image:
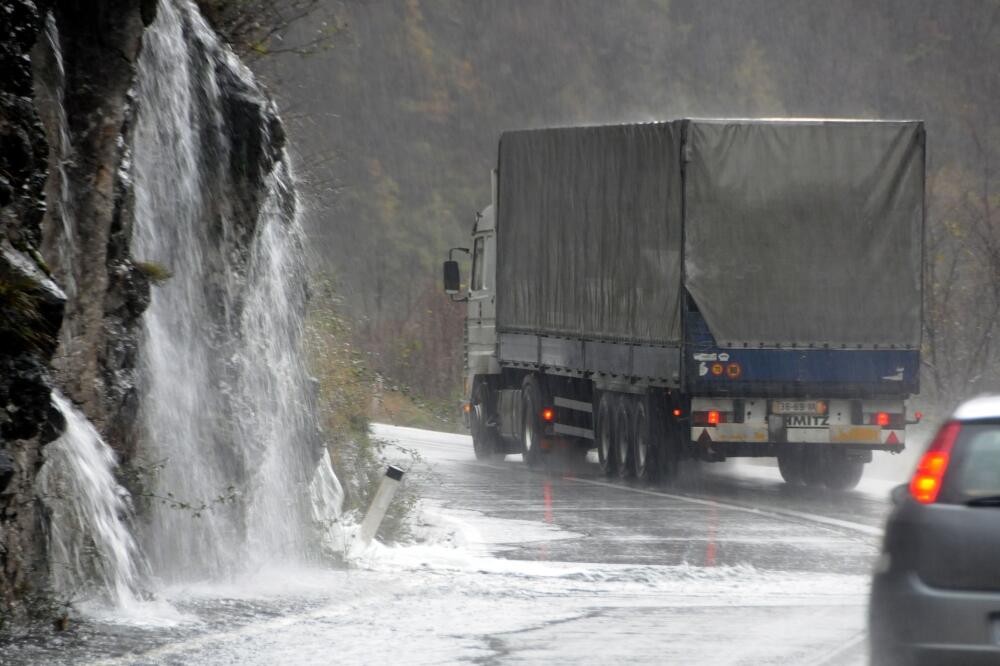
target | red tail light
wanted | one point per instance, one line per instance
(926, 482)
(889, 420)
(548, 414)
(711, 418)
(677, 412)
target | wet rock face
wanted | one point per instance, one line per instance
(30, 314)
(99, 44)
(22, 141)
(71, 142)
(31, 304)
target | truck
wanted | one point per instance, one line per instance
(698, 289)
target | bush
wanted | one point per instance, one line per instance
(346, 398)
(154, 272)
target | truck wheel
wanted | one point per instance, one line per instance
(644, 451)
(605, 431)
(624, 460)
(485, 438)
(813, 470)
(790, 466)
(531, 430)
(843, 473)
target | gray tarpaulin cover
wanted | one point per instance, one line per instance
(589, 234)
(795, 232)
(805, 232)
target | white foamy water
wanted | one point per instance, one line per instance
(91, 550)
(226, 403)
(449, 599)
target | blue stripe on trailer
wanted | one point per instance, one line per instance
(712, 369)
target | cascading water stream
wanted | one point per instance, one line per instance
(226, 402)
(90, 546)
(66, 244)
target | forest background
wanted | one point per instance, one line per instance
(395, 108)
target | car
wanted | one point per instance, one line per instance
(935, 595)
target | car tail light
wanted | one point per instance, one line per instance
(926, 482)
(548, 414)
(678, 413)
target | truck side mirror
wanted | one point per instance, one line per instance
(452, 278)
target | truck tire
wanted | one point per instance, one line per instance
(624, 460)
(843, 473)
(604, 431)
(644, 451)
(486, 442)
(813, 469)
(531, 426)
(790, 466)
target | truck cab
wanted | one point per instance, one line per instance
(480, 319)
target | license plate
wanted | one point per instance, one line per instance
(803, 421)
(798, 407)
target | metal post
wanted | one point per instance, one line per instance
(379, 505)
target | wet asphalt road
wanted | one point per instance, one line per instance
(512, 565)
(713, 516)
(708, 517)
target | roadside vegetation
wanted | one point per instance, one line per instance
(350, 396)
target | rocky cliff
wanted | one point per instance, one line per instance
(139, 154)
(70, 295)
(31, 311)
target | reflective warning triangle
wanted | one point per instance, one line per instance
(892, 439)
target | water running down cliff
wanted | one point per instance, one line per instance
(63, 210)
(226, 403)
(90, 547)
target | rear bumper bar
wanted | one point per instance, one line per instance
(754, 421)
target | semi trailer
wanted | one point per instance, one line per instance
(702, 289)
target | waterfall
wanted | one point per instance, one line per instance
(226, 402)
(89, 542)
(66, 244)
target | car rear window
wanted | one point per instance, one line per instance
(976, 460)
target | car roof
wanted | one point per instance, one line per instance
(984, 407)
